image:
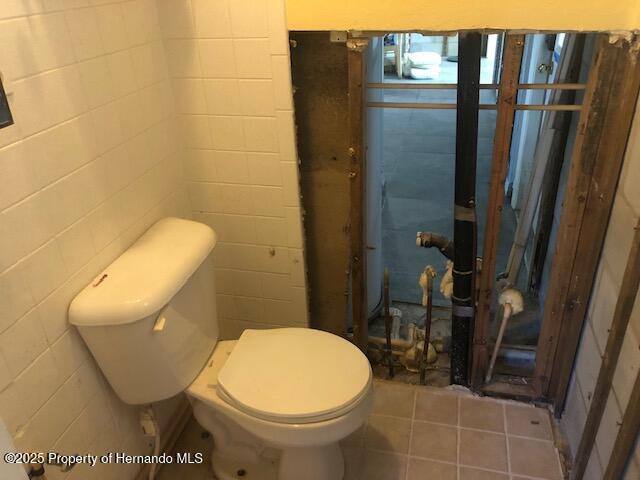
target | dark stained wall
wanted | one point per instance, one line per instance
(319, 73)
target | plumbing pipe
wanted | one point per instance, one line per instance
(426, 282)
(430, 239)
(464, 225)
(512, 303)
(387, 321)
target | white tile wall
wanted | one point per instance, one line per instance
(229, 60)
(625, 214)
(93, 159)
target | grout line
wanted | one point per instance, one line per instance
(413, 417)
(506, 439)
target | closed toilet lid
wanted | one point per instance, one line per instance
(294, 375)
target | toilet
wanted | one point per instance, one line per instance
(277, 402)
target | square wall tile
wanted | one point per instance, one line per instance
(196, 131)
(282, 87)
(23, 342)
(278, 33)
(15, 297)
(257, 97)
(253, 58)
(227, 133)
(212, 18)
(231, 167)
(189, 96)
(176, 17)
(112, 27)
(267, 201)
(183, 58)
(264, 169)
(223, 97)
(271, 231)
(249, 18)
(217, 58)
(261, 134)
(85, 33)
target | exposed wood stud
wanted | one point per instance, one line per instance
(627, 435)
(355, 57)
(603, 131)
(621, 316)
(507, 97)
(559, 125)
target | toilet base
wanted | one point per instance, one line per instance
(317, 463)
(225, 468)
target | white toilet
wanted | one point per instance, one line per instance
(276, 402)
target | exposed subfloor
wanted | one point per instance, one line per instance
(417, 433)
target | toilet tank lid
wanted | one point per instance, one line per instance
(146, 276)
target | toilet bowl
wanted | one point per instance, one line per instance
(276, 402)
(306, 446)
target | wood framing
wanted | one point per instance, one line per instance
(624, 446)
(557, 126)
(356, 50)
(603, 130)
(507, 96)
(621, 316)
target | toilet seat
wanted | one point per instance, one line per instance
(294, 375)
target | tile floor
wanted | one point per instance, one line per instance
(427, 433)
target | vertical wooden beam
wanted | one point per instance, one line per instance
(464, 225)
(603, 130)
(558, 125)
(621, 316)
(356, 49)
(507, 96)
(627, 436)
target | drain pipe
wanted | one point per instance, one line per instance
(430, 239)
(464, 226)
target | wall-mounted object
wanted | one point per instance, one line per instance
(5, 113)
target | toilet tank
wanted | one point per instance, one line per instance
(149, 318)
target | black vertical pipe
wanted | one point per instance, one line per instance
(464, 227)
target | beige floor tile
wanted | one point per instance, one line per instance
(389, 434)
(383, 466)
(467, 473)
(352, 462)
(528, 421)
(437, 442)
(436, 407)
(482, 414)
(393, 399)
(420, 469)
(483, 449)
(523, 450)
